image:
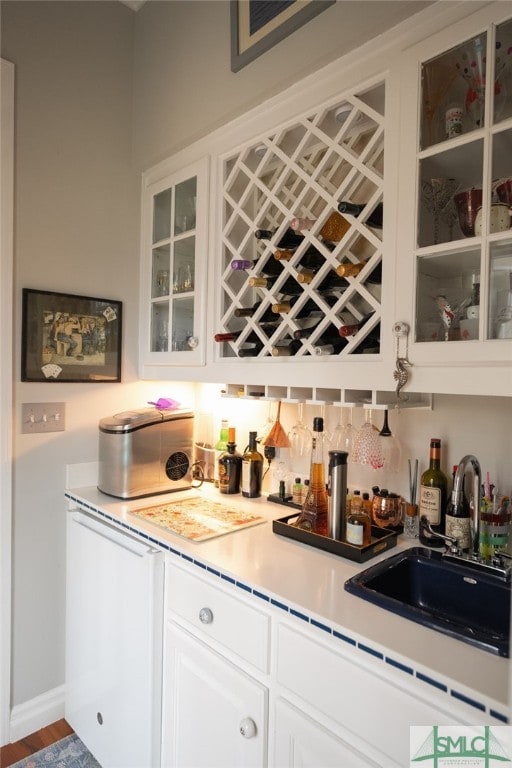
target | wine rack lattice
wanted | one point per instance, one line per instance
(304, 169)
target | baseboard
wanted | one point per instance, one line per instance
(37, 713)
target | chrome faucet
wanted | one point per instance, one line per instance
(458, 490)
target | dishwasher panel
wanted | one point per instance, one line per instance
(114, 609)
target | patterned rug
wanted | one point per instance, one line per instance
(69, 752)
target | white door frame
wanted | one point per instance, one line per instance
(6, 386)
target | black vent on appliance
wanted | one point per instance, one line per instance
(177, 465)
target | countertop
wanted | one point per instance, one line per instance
(311, 581)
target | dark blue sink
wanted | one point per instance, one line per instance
(446, 595)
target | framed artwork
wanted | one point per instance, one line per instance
(257, 25)
(70, 338)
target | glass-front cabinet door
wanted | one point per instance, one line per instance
(175, 236)
(458, 239)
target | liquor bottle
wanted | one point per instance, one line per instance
(373, 220)
(289, 238)
(433, 496)
(252, 469)
(332, 230)
(230, 466)
(313, 516)
(251, 350)
(286, 349)
(267, 317)
(458, 514)
(251, 338)
(359, 524)
(290, 287)
(311, 258)
(329, 346)
(270, 268)
(297, 491)
(349, 269)
(220, 446)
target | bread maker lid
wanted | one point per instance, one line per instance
(127, 421)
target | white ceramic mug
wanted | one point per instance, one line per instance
(500, 219)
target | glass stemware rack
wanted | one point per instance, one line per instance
(285, 293)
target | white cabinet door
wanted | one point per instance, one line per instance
(173, 276)
(300, 742)
(214, 715)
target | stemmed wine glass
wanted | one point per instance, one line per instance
(367, 446)
(390, 446)
(343, 434)
(437, 193)
(300, 436)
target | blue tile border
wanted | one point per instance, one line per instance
(325, 628)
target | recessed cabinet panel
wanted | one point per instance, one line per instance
(500, 302)
(298, 277)
(502, 102)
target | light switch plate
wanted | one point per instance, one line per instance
(43, 417)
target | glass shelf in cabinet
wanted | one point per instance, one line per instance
(500, 291)
(161, 256)
(450, 193)
(453, 92)
(444, 296)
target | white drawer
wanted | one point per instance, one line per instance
(213, 613)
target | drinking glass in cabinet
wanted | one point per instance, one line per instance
(500, 291)
(183, 265)
(160, 327)
(185, 206)
(160, 271)
(183, 325)
(448, 296)
(453, 92)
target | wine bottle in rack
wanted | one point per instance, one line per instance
(350, 329)
(373, 220)
(309, 308)
(267, 316)
(289, 238)
(286, 348)
(271, 268)
(333, 229)
(370, 344)
(251, 338)
(331, 282)
(312, 258)
(349, 269)
(251, 350)
(330, 346)
(290, 287)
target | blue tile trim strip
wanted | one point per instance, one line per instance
(499, 716)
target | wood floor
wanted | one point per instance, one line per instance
(11, 753)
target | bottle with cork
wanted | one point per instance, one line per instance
(230, 466)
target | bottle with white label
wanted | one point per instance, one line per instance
(359, 524)
(433, 496)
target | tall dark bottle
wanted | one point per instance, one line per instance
(290, 287)
(433, 496)
(373, 220)
(309, 308)
(230, 466)
(458, 514)
(266, 317)
(289, 238)
(252, 469)
(270, 268)
(331, 282)
(311, 258)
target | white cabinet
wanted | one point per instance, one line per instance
(173, 273)
(301, 742)
(215, 712)
(214, 715)
(455, 248)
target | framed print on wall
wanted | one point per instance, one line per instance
(70, 338)
(257, 25)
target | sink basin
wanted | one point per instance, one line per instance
(448, 596)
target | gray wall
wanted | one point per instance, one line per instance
(76, 230)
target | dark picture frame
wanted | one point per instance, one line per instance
(68, 338)
(257, 25)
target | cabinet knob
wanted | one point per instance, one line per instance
(248, 728)
(205, 616)
(193, 342)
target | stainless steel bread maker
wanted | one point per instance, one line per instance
(145, 451)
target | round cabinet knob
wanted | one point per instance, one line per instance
(205, 616)
(193, 342)
(248, 728)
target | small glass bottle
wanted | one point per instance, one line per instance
(359, 524)
(230, 466)
(314, 510)
(220, 447)
(297, 491)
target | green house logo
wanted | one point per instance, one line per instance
(457, 746)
